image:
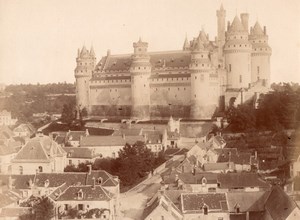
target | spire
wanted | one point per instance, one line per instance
(92, 52)
(84, 51)
(186, 44)
(221, 7)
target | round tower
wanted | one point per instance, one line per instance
(140, 71)
(203, 102)
(86, 61)
(260, 57)
(237, 52)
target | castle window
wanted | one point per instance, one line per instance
(139, 68)
(155, 89)
(169, 89)
(144, 68)
(233, 45)
(178, 89)
(116, 90)
(20, 170)
(110, 90)
(195, 77)
(241, 37)
(202, 64)
(229, 67)
(241, 79)
(240, 45)
(258, 69)
(175, 96)
(144, 85)
(195, 96)
(184, 88)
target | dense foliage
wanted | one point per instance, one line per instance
(277, 110)
(24, 100)
(41, 208)
(134, 163)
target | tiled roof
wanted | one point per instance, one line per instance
(40, 148)
(194, 202)
(7, 198)
(75, 135)
(279, 204)
(14, 212)
(98, 141)
(32, 151)
(153, 137)
(107, 179)
(89, 193)
(79, 152)
(238, 180)
(5, 150)
(57, 179)
(128, 132)
(25, 128)
(189, 178)
(217, 166)
(247, 201)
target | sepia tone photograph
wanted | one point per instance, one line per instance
(150, 109)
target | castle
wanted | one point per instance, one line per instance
(188, 83)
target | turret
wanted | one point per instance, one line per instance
(86, 61)
(203, 102)
(140, 71)
(221, 16)
(260, 57)
(237, 52)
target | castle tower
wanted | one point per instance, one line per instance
(260, 57)
(221, 15)
(186, 44)
(237, 52)
(140, 71)
(86, 61)
(202, 103)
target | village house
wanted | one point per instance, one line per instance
(24, 130)
(77, 155)
(73, 137)
(40, 154)
(6, 119)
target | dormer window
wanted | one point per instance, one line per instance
(100, 180)
(204, 181)
(80, 194)
(237, 208)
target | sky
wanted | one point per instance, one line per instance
(39, 39)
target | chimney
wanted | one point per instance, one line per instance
(245, 20)
(94, 183)
(89, 169)
(265, 30)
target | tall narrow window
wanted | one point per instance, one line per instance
(258, 69)
(205, 210)
(241, 80)
(229, 67)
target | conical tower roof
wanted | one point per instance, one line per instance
(84, 51)
(236, 25)
(186, 44)
(92, 52)
(257, 30)
(203, 36)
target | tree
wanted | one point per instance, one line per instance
(41, 209)
(68, 113)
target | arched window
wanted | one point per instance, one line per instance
(204, 181)
(80, 194)
(205, 209)
(21, 170)
(100, 180)
(40, 169)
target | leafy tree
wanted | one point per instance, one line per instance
(68, 113)
(41, 209)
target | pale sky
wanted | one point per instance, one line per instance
(39, 39)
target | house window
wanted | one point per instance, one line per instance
(80, 207)
(99, 180)
(66, 207)
(40, 169)
(21, 170)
